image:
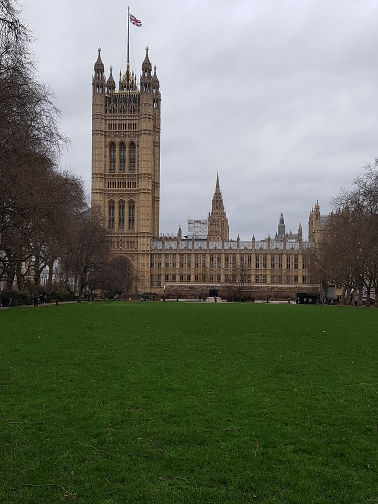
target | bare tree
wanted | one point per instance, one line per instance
(30, 145)
(87, 248)
(348, 251)
(115, 278)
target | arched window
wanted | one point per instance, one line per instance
(122, 157)
(112, 158)
(111, 214)
(131, 215)
(132, 156)
(121, 215)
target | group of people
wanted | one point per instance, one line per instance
(40, 300)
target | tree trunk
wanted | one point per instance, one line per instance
(37, 273)
(19, 276)
(49, 281)
(360, 294)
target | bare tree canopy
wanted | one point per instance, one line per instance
(38, 202)
(348, 252)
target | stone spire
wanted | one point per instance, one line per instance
(146, 66)
(110, 84)
(98, 81)
(99, 66)
(217, 221)
(281, 227)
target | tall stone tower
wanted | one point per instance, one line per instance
(126, 162)
(218, 223)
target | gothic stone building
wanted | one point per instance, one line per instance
(125, 188)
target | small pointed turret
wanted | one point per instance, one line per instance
(98, 80)
(281, 227)
(99, 66)
(146, 66)
(110, 83)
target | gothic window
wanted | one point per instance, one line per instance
(131, 215)
(111, 214)
(295, 262)
(287, 262)
(257, 265)
(167, 262)
(121, 215)
(272, 262)
(152, 261)
(249, 262)
(218, 262)
(226, 262)
(173, 262)
(280, 262)
(264, 261)
(112, 157)
(122, 157)
(159, 261)
(132, 157)
(189, 261)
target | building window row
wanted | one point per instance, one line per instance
(122, 157)
(245, 262)
(228, 278)
(121, 215)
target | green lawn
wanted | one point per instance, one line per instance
(188, 403)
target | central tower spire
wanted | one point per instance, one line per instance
(218, 222)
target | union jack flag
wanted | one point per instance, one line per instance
(135, 21)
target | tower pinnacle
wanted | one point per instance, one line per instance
(218, 222)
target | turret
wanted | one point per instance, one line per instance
(146, 68)
(281, 228)
(98, 78)
(110, 84)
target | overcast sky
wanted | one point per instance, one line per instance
(278, 96)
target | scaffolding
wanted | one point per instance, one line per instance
(197, 229)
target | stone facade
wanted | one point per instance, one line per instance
(126, 162)
(125, 189)
(275, 265)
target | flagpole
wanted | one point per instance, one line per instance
(128, 33)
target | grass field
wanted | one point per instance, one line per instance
(188, 403)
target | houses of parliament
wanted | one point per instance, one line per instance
(126, 187)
